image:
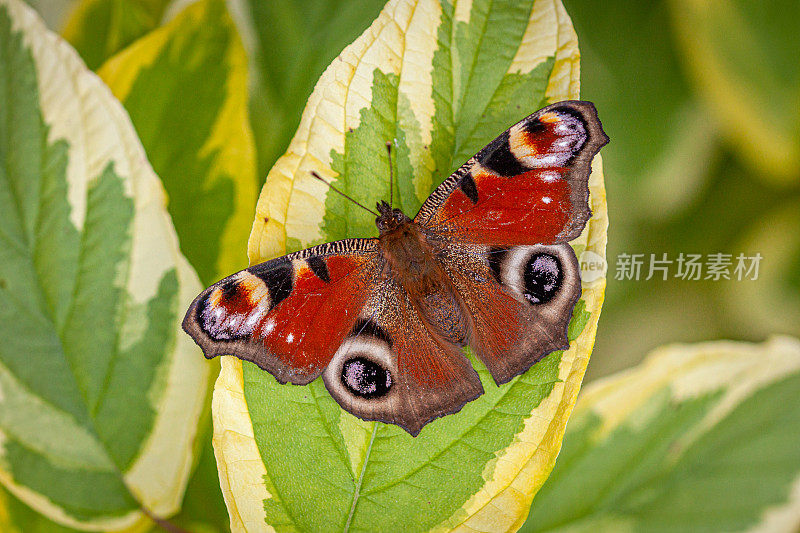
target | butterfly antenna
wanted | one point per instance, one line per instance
(391, 177)
(343, 194)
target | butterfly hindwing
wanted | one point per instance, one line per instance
(395, 369)
(528, 186)
(519, 300)
(288, 315)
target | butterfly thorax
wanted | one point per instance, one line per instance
(408, 254)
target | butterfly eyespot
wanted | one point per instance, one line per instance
(543, 276)
(366, 378)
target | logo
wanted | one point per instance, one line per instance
(593, 267)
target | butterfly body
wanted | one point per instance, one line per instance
(383, 321)
(411, 263)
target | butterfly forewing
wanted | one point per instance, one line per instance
(528, 186)
(288, 315)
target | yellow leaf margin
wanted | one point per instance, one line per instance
(293, 205)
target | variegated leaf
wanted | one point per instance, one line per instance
(100, 394)
(440, 81)
(698, 437)
(185, 87)
(100, 28)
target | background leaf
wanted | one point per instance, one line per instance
(16, 517)
(697, 438)
(440, 81)
(93, 288)
(189, 79)
(100, 28)
(679, 188)
(185, 87)
(743, 57)
(291, 44)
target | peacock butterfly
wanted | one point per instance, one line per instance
(485, 263)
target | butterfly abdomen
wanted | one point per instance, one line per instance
(442, 311)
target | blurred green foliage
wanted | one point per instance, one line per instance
(678, 179)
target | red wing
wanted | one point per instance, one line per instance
(395, 369)
(528, 186)
(288, 315)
